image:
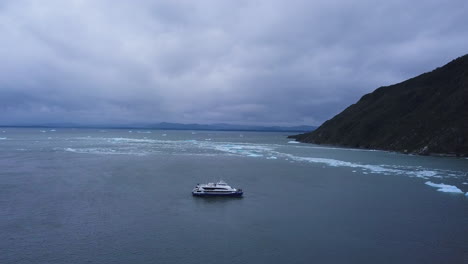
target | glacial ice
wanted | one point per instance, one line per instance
(144, 146)
(105, 151)
(444, 187)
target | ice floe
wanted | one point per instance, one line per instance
(248, 150)
(131, 140)
(207, 147)
(105, 151)
(3, 138)
(444, 187)
(293, 142)
(378, 169)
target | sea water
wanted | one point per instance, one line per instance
(124, 196)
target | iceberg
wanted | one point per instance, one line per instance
(444, 187)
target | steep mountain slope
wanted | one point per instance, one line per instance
(425, 114)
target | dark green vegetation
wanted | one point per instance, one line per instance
(427, 114)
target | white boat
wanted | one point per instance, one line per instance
(216, 189)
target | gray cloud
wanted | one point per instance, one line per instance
(245, 62)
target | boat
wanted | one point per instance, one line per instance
(220, 188)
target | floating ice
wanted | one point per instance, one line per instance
(143, 146)
(293, 142)
(3, 138)
(132, 140)
(411, 171)
(465, 183)
(444, 187)
(340, 148)
(164, 135)
(248, 150)
(423, 174)
(105, 151)
(70, 149)
(43, 131)
(52, 130)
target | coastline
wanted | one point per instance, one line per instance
(432, 154)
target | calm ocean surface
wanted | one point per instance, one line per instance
(120, 196)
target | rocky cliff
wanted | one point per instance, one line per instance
(427, 114)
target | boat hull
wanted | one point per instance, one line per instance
(204, 194)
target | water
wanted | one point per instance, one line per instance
(120, 196)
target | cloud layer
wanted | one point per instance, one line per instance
(245, 62)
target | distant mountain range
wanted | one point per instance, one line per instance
(177, 126)
(427, 114)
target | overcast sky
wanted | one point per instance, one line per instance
(264, 62)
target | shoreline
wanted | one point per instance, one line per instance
(444, 155)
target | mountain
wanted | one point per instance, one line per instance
(427, 114)
(229, 127)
